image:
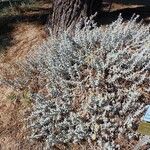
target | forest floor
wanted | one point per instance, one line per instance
(17, 38)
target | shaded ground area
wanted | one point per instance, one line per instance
(37, 16)
(25, 37)
(126, 8)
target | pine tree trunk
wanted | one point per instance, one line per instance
(67, 13)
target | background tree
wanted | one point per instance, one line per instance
(66, 13)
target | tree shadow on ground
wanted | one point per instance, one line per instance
(7, 25)
(108, 17)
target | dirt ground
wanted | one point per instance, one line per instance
(20, 38)
(12, 127)
(25, 36)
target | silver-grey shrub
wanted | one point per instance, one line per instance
(97, 84)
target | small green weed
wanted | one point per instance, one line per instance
(25, 98)
(12, 96)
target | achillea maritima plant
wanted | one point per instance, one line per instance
(93, 86)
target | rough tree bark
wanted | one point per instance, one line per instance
(67, 13)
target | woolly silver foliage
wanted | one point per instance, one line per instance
(95, 87)
(95, 84)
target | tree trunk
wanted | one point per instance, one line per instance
(67, 13)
